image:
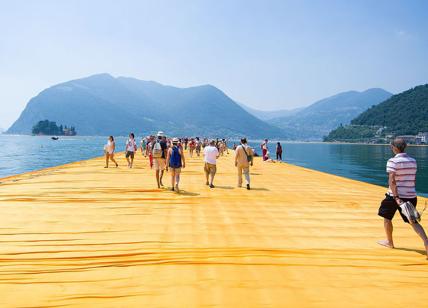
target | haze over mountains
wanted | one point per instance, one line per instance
(318, 119)
(104, 105)
(270, 114)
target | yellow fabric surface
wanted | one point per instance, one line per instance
(80, 235)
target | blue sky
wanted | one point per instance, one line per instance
(266, 54)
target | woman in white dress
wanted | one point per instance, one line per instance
(109, 150)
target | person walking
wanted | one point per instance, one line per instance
(226, 145)
(109, 151)
(149, 148)
(175, 161)
(159, 157)
(143, 145)
(210, 163)
(198, 146)
(402, 183)
(243, 161)
(221, 147)
(130, 148)
(278, 151)
(264, 148)
(192, 145)
(205, 143)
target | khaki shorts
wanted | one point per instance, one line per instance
(210, 168)
(159, 163)
(175, 171)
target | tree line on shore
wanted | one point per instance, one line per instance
(50, 128)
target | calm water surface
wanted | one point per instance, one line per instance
(361, 162)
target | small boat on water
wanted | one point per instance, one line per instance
(54, 138)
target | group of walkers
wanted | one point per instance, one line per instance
(167, 154)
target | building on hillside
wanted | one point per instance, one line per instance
(389, 138)
(410, 139)
(69, 131)
(380, 131)
(421, 138)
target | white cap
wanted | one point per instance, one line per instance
(174, 140)
(161, 134)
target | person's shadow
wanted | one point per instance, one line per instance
(223, 187)
(419, 251)
(186, 193)
(260, 188)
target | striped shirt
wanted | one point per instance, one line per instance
(404, 168)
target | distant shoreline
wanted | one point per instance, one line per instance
(271, 140)
(363, 143)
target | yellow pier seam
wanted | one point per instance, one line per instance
(80, 235)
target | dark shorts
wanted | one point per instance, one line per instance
(130, 153)
(388, 207)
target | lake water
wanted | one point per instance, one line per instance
(361, 162)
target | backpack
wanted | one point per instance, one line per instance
(249, 157)
(175, 158)
(157, 150)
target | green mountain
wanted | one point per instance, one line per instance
(355, 133)
(104, 105)
(318, 119)
(402, 114)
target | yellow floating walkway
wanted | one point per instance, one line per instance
(83, 236)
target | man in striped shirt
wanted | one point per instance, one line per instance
(402, 181)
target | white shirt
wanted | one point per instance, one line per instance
(210, 154)
(109, 147)
(131, 145)
(404, 168)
